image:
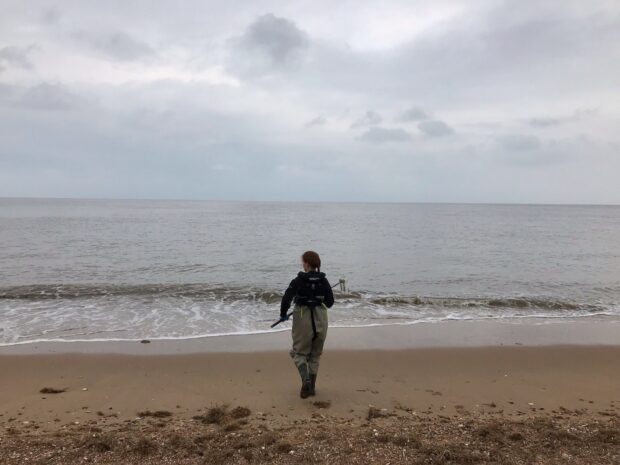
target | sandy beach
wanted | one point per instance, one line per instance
(544, 403)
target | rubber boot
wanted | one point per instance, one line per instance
(306, 384)
(312, 384)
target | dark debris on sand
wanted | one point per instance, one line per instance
(155, 414)
(322, 404)
(50, 390)
(235, 436)
(240, 412)
(214, 416)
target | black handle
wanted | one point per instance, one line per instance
(281, 320)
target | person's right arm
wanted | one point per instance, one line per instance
(288, 297)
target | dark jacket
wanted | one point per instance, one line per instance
(311, 289)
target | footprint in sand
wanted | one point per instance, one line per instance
(322, 404)
(433, 392)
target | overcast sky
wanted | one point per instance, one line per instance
(432, 101)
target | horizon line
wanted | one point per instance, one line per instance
(378, 202)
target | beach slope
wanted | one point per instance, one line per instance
(549, 404)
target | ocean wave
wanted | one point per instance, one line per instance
(489, 302)
(195, 290)
(240, 294)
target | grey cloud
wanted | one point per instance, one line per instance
(370, 118)
(413, 114)
(380, 135)
(47, 96)
(547, 35)
(492, 55)
(318, 121)
(536, 158)
(435, 128)
(519, 142)
(51, 15)
(566, 150)
(44, 96)
(545, 122)
(269, 42)
(16, 56)
(6, 92)
(118, 46)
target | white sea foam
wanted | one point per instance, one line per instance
(130, 317)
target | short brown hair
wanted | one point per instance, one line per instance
(312, 259)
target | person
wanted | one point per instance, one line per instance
(312, 295)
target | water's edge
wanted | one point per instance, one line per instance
(392, 337)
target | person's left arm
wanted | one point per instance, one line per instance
(329, 295)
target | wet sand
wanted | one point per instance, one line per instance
(493, 404)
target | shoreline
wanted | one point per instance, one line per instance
(447, 334)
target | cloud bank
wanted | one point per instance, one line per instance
(449, 101)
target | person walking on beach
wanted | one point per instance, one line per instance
(312, 295)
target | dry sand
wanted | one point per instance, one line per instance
(555, 404)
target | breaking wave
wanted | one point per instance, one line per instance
(245, 294)
(125, 312)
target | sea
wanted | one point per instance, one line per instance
(76, 270)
